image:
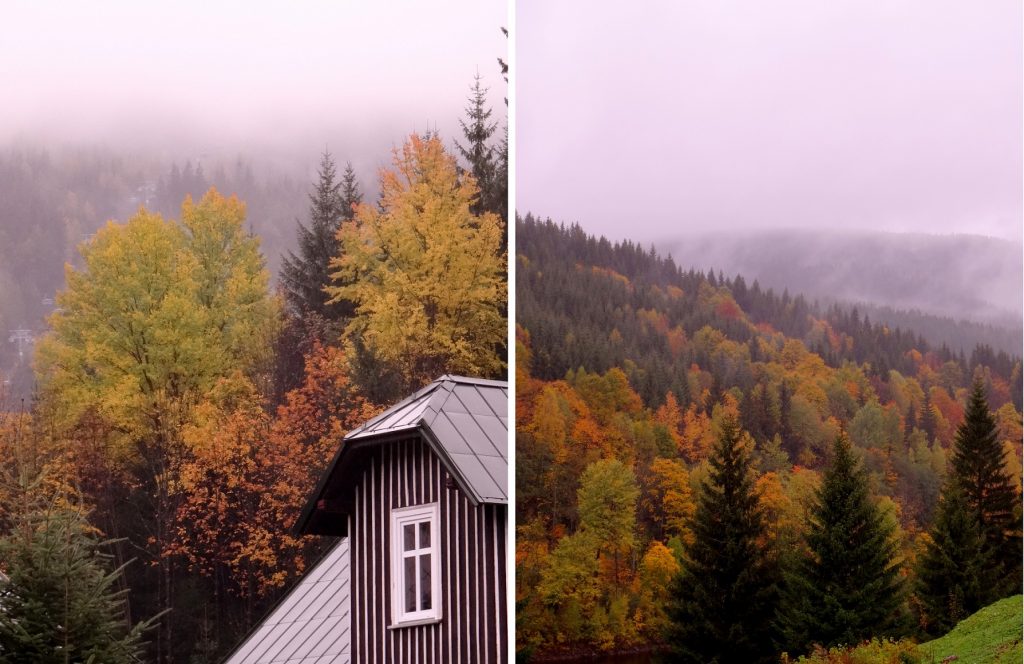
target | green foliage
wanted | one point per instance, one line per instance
(990, 636)
(875, 651)
(849, 587)
(607, 504)
(60, 601)
(979, 470)
(161, 318)
(723, 601)
(955, 575)
(488, 164)
(584, 580)
(304, 277)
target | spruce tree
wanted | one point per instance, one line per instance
(304, 277)
(978, 468)
(848, 588)
(478, 129)
(60, 602)
(955, 573)
(724, 599)
(351, 196)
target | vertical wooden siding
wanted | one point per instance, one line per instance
(474, 617)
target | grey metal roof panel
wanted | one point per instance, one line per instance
(497, 468)
(477, 475)
(465, 416)
(497, 399)
(495, 430)
(472, 433)
(472, 399)
(444, 429)
(311, 624)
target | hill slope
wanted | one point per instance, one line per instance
(990, 636)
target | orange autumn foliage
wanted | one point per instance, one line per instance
(245, 477)
(697, 436)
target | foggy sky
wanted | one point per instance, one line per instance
(218, 75)
(651, 119)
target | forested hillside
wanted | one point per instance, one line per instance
(639, 383)
(185, 410)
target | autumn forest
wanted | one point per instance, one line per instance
(725, 473)
(183, 410)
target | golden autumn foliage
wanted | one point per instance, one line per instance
(697, 436)
(158, 314)
(670, 500)
(794, 377)
(654, 578)
(671, 417)
(426, 274)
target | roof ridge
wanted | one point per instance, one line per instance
(471, 380)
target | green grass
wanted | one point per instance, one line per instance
(990, 636)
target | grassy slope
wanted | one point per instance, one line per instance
(990, 636)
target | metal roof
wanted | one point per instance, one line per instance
(465, 422)
(311, 624)
(468, 419)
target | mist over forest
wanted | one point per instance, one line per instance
(57, 193)
(961, 289)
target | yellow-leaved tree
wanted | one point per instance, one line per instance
(427, 275)
(160, 314)
(157, 315)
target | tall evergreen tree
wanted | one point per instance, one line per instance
(304, 277)
(955, 574)
(351, 196)
(979, 470)
(848, 588)
(478, 129)
(60, 602)
(724, 599)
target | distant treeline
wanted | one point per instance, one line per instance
(955, 333)
(587, 303)
(969, 277)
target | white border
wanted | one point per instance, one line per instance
(510, 521)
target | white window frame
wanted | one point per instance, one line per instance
(400, 517)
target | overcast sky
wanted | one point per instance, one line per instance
(258, 73)
(648, 119)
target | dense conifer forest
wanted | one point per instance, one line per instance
(654, 401)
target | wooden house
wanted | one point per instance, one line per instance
(420, 495)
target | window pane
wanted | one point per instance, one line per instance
(409, 537)
(424, 534)
(409, 579)
(425, 581)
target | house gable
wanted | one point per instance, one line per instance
(465, 422)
